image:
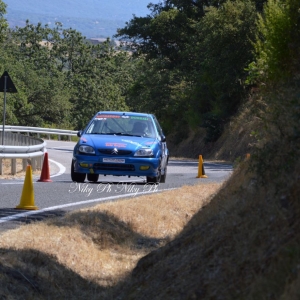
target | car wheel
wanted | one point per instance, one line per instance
(163, 177)
(92, 177)
(77, 177)
(155, 179)
(150, 179)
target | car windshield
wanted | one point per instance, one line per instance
(117, 124)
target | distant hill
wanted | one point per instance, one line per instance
(93, 18)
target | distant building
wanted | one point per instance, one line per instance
(96, 41)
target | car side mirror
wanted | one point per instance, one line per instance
(79, 133)
(163, 138)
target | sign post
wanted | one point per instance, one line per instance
(6, 86)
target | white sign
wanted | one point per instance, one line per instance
(114, 160)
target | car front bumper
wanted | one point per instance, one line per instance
(117, 166)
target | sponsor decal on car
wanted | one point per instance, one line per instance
(108, 116)
(139, 118)
(132, 142)
(119, 145)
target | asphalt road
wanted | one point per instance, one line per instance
(61, 195)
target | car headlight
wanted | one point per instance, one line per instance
(144, 152)
(86, 149)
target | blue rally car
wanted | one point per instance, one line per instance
(121, 144)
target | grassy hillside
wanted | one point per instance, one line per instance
(244, 244)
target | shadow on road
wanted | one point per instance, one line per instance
(11, 218)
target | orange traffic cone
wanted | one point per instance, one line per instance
(45, 175)
(27, 197)
(201, 172)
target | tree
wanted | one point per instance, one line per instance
(277, 45)
(195, 54)
(3, 22)
(222, 49)
(41, 85)
(62, 79)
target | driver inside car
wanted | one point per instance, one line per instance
(139, 128)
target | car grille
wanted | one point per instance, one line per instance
(109, 152)
(114, 167)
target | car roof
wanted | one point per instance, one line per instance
(129, 113)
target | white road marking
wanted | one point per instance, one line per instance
(33, 212)
(62, 169)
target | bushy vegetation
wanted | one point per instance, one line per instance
(62, 80)
(188, 67)
(191, 63)
(195, 54)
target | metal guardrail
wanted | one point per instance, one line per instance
(40, 130)
(18, 146)
(29, 149)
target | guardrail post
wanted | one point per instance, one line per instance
(13, 166)
(33, 164)
(40, 162)
(24, 164)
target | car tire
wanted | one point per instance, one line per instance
(152, 180)
(92, 177)
(77, 177)
(163, 177)
(155, 179)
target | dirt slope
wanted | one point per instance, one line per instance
(245, 244)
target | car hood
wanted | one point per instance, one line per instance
(131, 143)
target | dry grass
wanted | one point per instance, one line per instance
(237, 241)
(93, 249)
(244, 244)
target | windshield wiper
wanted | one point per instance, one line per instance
(106, 133)
(98, 133)
(123, 133)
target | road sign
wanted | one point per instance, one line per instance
(10, 87)
(6, 86)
